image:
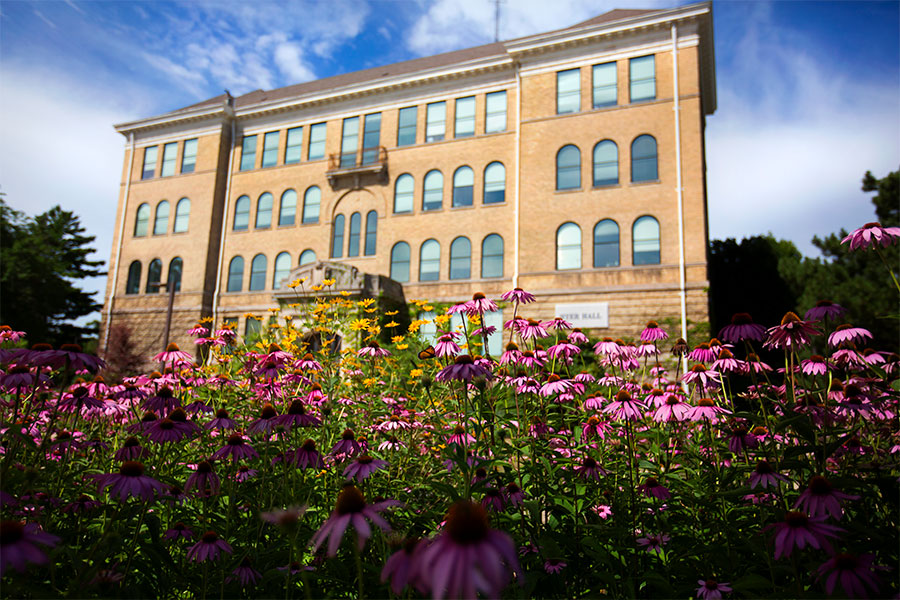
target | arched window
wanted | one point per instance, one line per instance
(371, 233)
(235, 274)
(494, 183)
(353, 241)
(311, 200)
(182, 215)
(433, 191)
(404, 193)
(161, 222)
(643, 159)
(463, 186)
(282, 269)
(606, 163)
(264, 211)
(142, 220)
(337, 237)
(307, 257)
(461, 258)
(400, 262)
(258, 269)
(133, 283)
(645, 241)
(568, 168)
(174, 277)
(430, 261)
(492, 256)
(154, 272)
(288, 209)
(568, 247)
(606, 244)
(242, 213)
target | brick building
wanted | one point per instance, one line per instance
(569, 163)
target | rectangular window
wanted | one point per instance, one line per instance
(270, 149)
(316, 141)
(248, 153)
(230, 323)
(189, 157)
(428, 331)
(252, 328)
(168, 162)
(406, 126)
(349, 142)
(605, 85)
(568, 91)
(294, 145)
(150, 154)
(495, 112)
(435, 119)
(371, 138)
(465, 117)
(642, 72)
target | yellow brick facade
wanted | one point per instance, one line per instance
(527, 220)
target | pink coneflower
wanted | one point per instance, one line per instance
(791, 333)
(653, 332)
(163, 402)
(625, 408)
(222, 421)
(479, 304)
(81, 398)
(298, 417)
(198, 330)
(172, 354)
(555, 385)
(653, 489)
(706, 409)
(798, 530)
(654, 543)
(71, 356)
(532, 329)
(700, 375)
(83, 503)
(307, 457)
(594, 426)
(446, 347)
(872, 234)
(590, 469)
(363, 467)
(814, 365)
(554, 566)
(511, 355)
(848, 333)
(400, 568)
(557, 323)
(468, 557)
(391, 444)
(7, 334)
(463, 369)
(308, 363)
(825, 309)
(373, 350)
(855, 574)
(460, 437)
(820, 499)
(178, 531)
(210, 547)
(130, 481)
(755, 365)
(513, 494)
(351, 509)
(245, 574)
(742, 328)
(173, 428)
(237, 448)
(702, 353)
(267, 421)
(204, 479)
(518, 295)
(19, 545)
(576, 336)
(530, 360)
(563, 351)
(347, 446)
(711, 589)
(740, 439)
(608, 347)
(727, 363)
(493, 500)
(131, 450)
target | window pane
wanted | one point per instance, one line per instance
(154, 272)
(242, 213)
(248, 153)
(174, 276)
(258, 273)
(460, 258)
(605, 85)
(568, 247)
(492, 256)
(133, 284)
(307, 257)
(189, 157)
(568, 168)
(316, 141)
(294, 144)
(371, 138)
(282, 269)
(371, 233)
(182, 215)
(403, 194)
(349, 142)
(495, 112)
(142, 220)
(406, 128)
(288, 209)
(435, 116)
(606, 244)
(161, 223)
(645, 236)
(337, 237)
(270, 149)
(353, 242)
(311, 201)
(430, 261)
(465, 117)
(400, 262)
(150, 154)
(643, 78)
(252, 329)
(495, 340)
(433, 196)
(168, 163)
(568, 91)
(235, 274)
(606, 163)
(428, 331)
(494, 183)
(264, 211)
(643, 159)
(463, 186)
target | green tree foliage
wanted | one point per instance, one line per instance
(42, 258)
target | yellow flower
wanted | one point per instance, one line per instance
(273, 310)
(316, 288)
(370, 382)
(392, 324)
(416, 373)
(428, 308)
(396, 339)
(345, 293)
(415, 325)
(327, 282)
(366, 302)
(371, 310)
(441, 320)
(359, 324)
(402, 346)
(391, 313)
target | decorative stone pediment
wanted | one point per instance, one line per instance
(347, 278)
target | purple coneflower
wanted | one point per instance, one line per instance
(518, 295)
(532, 329)
(71, 355)
(400, 568)
(83, 503)
(848, 333)
(298, 417)
(608, 347)
(308, 363)
(363, 467)
(307, 457)
(555, 385)
(791, 333)
(711, 589)
(727, 363)
(742, 328)
(287, 518)
(653, 332)
(204, 479)
(130, 481)
(653, 543)
(177, 531)
(825, 309)
(700, 375)
(853, 572)
(373, 350)
(172, 354)
(446, 347)
(590, 469)
(740, 439)
(463, 369)
(163, 402)
(814, 365)
(209, 547)
(673, 409)
(173, 428)
(594, 426)
(554, 566)
(245, 473)
(563, 350)
(131, 450)
(625, 408)
(872, 234)
(245, 573)
(706, 409)
(576, 336)
(461, 437)
(81, 398)
(222, 421)
(267, 421)
(198, 330)
(19, 545)
(653, 489)
(351, 509)
(514, 494)
(820, 499)
(798, 530)
(480, 304)
(347, 446)
(493, 500)
(237, 448)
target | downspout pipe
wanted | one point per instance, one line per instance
(121, 237)
(215, 302)
(679, 191)
(515, 280)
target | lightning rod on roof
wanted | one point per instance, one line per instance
(497, 19)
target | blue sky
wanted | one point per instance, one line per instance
(809, 92)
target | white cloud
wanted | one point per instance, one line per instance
(289, 58)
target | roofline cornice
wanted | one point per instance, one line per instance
(219, 111)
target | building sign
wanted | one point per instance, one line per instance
(591, 314)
